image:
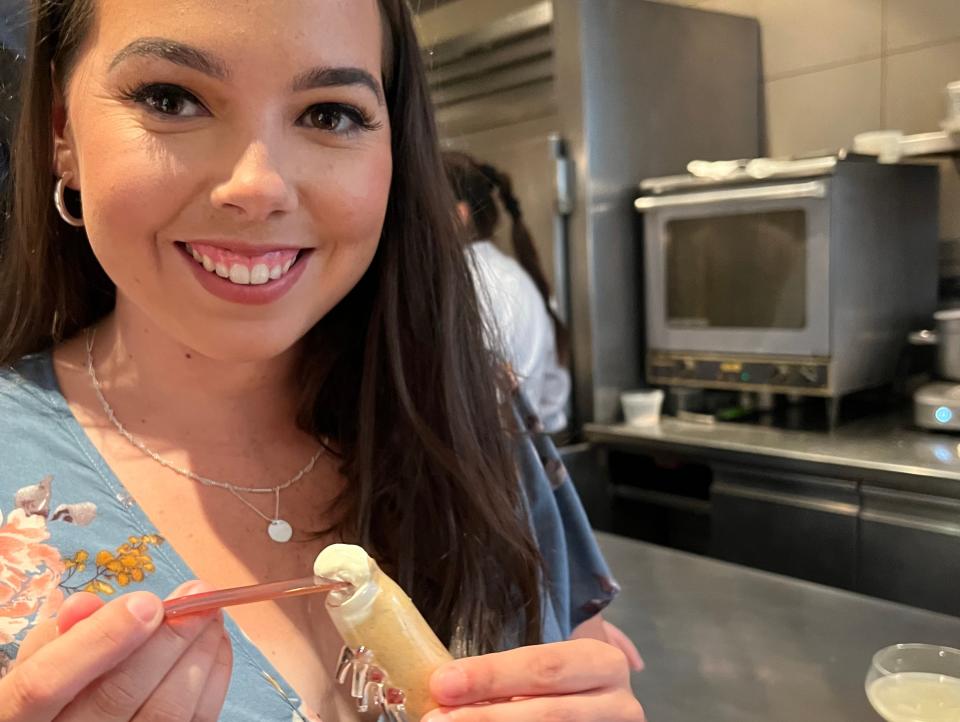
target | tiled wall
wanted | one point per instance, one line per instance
(834, 68)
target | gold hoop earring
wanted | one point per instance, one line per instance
(60, 203)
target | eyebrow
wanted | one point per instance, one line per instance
(325, 77)
(174, 52)
(190, 57)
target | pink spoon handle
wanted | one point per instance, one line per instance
(205, 601)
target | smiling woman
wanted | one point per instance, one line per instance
(239, 327)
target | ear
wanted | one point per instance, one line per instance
(463, 211)
(64, 156)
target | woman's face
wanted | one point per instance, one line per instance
(240, 138)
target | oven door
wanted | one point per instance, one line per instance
(739, 270)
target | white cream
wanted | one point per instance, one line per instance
(347, 563)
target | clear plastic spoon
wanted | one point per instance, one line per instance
(205, 601)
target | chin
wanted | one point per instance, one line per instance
(243, 343)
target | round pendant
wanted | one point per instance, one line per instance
(280, 531)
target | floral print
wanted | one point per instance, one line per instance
(35, 500)
(130, 563)
(31, 571)
(29, 574)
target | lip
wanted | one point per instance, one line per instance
(241, 248)
(249, 295)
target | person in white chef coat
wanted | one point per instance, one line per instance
(514, 291)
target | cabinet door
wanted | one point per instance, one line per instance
(910, 548)
(792, 524)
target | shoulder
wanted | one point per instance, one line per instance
(28, 392)
(511, 296)
(488, 257)
(33, 428)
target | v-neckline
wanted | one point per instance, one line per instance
(141, 522)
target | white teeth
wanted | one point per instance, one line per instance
(240, 274)
(259, 275)
(237, 273)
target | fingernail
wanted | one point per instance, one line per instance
(144, 606)
(192, 587)
(437, 717)
(195, 587)
(451, 681)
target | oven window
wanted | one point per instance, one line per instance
(738, 271)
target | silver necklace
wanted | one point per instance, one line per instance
(277, 529)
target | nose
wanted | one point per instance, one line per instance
(257, 187)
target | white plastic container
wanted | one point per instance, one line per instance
(642, 408)
(953, 101)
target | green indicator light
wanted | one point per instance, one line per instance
(744, 376)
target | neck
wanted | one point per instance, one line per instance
(174, 392)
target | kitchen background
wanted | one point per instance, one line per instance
(867, 502)
(831, 68)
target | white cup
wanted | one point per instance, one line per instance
(642, 408)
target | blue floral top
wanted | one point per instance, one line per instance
(67, 524)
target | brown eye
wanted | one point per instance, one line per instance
(323, 117)
(169, 100)
(337, 118)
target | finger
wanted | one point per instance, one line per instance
(119, 693)
(546, 669)
(42, 686)
(76, 607)
(622, 642)
(588, 707)
(178, 693)
(211, 702)
(39, 636)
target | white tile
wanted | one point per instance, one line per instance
(823, 110)
(914, 22)
(915, 96)
(802, 34)
(949, 200)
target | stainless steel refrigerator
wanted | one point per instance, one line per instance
(579, 100)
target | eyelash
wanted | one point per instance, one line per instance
(143, 94)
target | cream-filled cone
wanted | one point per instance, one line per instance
(376, 614)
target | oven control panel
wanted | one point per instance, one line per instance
(801, 375)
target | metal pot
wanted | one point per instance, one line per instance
(947, 340)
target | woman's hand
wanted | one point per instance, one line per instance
(120, 662)
(599, 628)
(580, 680)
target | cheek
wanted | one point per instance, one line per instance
(348, 203)
(128, 188)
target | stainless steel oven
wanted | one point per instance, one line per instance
(797, 276)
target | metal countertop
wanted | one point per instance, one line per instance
(730, 644)
(868, 449)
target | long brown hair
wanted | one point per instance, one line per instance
(475, 184)
(397, 373)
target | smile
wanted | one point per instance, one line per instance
(243, 269)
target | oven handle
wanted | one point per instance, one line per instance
(787, 191)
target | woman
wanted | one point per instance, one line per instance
(514, 294)
(232, 299)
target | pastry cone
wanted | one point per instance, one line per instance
(374, 613)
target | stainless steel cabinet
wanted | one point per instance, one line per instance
(793, 524)
(909, 548)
